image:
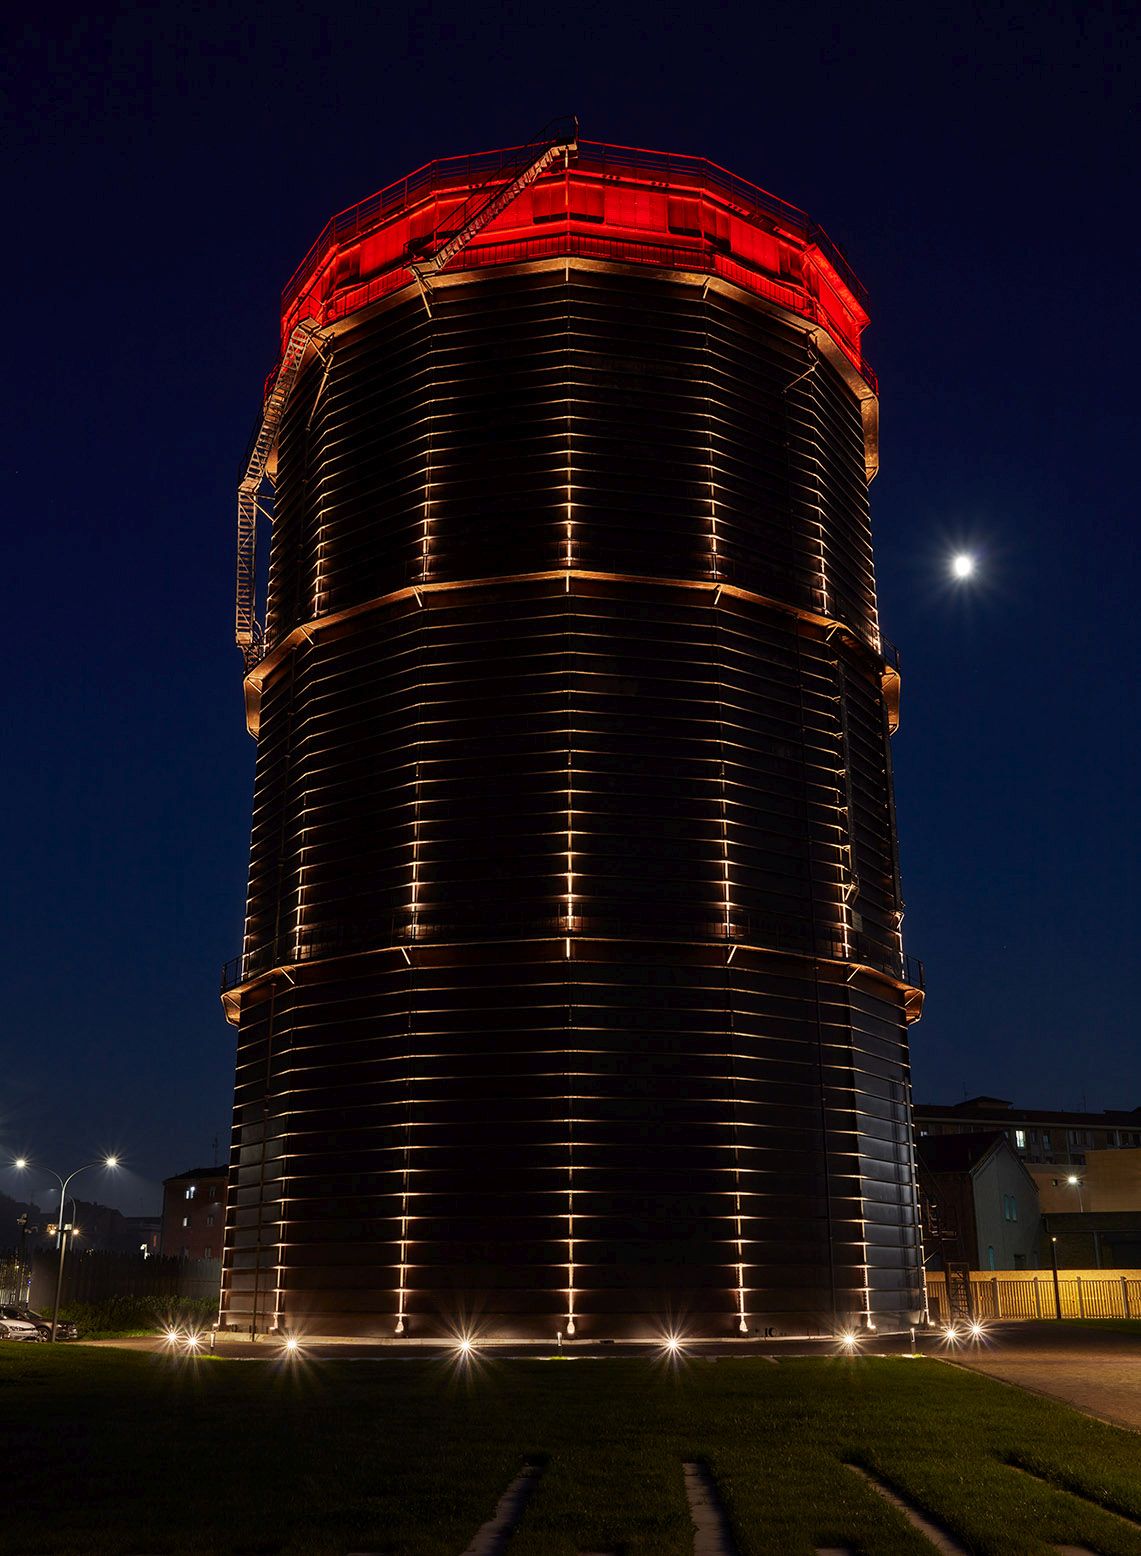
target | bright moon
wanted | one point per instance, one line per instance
(962, 566)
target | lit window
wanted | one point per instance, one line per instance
(209, 1220)
(186, 1220)
(192, 1191)
(1020, 1139)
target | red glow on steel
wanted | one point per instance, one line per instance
(614, 203)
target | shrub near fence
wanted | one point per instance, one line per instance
(1030, 1294)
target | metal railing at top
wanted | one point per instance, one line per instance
(403, 928)
(664, 168)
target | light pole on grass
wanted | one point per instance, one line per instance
(22, 1163)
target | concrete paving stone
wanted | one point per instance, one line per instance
(711, 1535)
(931, 1532)
(491, 1538)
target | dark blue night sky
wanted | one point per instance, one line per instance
(168, 166)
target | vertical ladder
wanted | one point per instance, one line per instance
(247, 628)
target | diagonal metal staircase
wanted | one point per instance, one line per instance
(558, 139)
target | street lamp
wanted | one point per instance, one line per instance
(23, 1164)
(1076, 1183)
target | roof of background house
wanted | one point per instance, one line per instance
(992, 1106)
(966, 1152)
(198, 1172)
(957, 1153)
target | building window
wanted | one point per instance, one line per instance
(1045, 1140)
(990, 1259)
(1020, 1139)
(186, 1220)
(214, 1192)
(209, 1220)
(192, 1191)
(209, 1251)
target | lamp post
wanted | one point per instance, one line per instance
(61, 1236)
(1057, 1288)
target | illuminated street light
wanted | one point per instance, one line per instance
(962, 565)
(62, 1228)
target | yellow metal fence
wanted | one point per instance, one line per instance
(1033, 1294)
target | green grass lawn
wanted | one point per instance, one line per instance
(124, 1452)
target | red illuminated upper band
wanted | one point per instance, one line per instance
(610, 203)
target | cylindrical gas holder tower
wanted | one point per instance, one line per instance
(572, 995)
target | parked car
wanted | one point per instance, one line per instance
(19, 1329)
(24, 1315)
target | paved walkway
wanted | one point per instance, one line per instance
(1094, 1369)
